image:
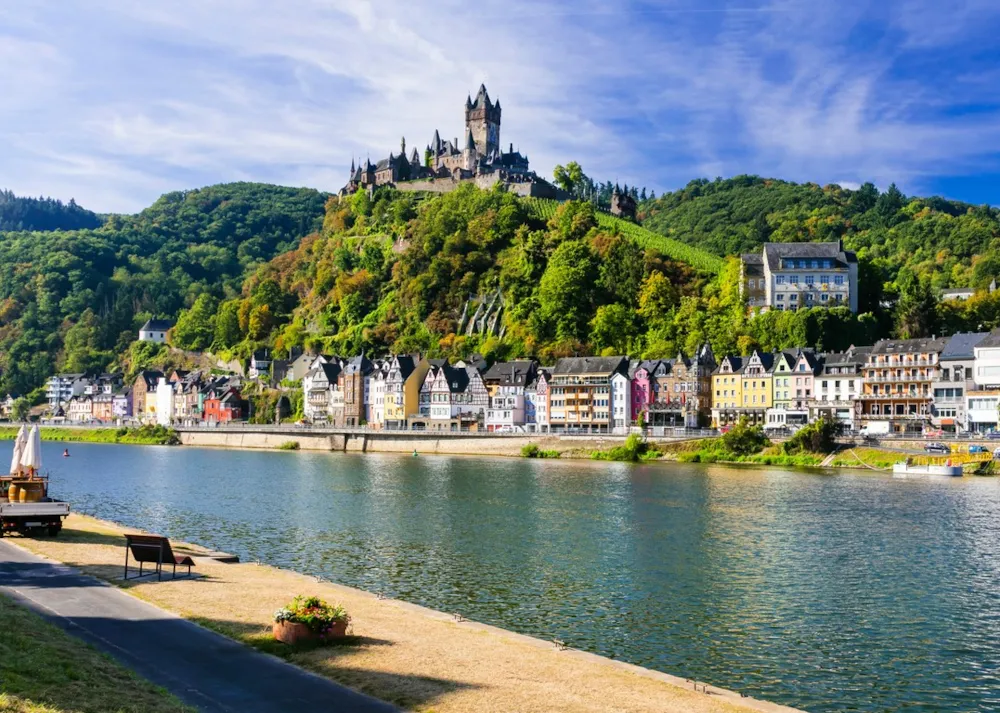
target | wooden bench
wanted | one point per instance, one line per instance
(156, 550)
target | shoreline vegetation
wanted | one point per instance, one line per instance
(416, 658)
(140, 436)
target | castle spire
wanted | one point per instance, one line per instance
(470, 142)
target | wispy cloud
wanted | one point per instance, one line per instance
(114, 102)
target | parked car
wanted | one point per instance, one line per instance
(937, 448)
(993, 434)
(974, 448)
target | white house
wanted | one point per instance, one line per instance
(155, 330)
(317, 386)
(375, 394)
(62, 387)
(982, 410)
(987, 361)
(506, 382)
(621, 403)
(164, 402)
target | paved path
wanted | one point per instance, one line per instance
(202, 668)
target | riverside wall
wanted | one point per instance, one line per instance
(394, 442)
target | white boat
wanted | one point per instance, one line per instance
(904, 469)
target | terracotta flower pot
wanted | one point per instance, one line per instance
(290, 632)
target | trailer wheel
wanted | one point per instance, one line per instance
(54, 530)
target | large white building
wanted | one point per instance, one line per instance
(793, 276)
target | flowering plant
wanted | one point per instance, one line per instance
(316, 614)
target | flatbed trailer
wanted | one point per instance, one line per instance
(25, 517)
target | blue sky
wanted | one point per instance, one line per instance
(116, 102)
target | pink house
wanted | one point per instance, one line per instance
(641, 378)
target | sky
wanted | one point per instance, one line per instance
(114, 103)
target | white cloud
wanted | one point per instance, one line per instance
(115, 102)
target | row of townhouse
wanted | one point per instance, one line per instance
(591, 394)
(154, 398)
(949, 383)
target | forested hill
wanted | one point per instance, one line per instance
(944, 242)
(74, 299)
(18, 213)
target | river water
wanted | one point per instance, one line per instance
(844, 592)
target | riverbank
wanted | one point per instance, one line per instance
(141, 436)
(417, 658)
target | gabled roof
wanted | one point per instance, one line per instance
(151, 377)
(775, 252)
(590, 365)
(156, 325)
(736, 362)
(962, 345)
(992, 340)
(510, 373)
(854, 356)
(909, 346)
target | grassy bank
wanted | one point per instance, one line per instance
(45, 670)
(143, 436)
(415, 658)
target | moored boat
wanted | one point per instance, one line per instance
(907, 468)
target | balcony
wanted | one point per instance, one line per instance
(896, 397)
(900, 379)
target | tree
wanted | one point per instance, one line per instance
(622, 271)
(916, 313)
(227, 325)
(565, 289)
(613, 328)
(744, 439)
(818, 437)
(568, 177)
(657, 297)
(20, 409)
(195, 328)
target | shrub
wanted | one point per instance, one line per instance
(743, 439)
(289, 446)
(533, 451)
(634, 449)
(316, 614)
(817, 437)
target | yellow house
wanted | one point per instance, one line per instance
(402, 389)
(756, 384)
(727, 391)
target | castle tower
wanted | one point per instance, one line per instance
(470, 152)
(482, 118)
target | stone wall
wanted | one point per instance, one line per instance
(395, 442)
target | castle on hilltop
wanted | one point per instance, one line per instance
(479, 158)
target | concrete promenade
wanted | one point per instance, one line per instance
(204, 669)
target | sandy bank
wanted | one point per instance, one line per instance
(417, 658)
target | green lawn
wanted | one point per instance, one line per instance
(45, 670)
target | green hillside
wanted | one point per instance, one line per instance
(947, 243)
(74, 299)
(672, 248)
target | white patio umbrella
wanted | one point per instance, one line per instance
(32, 456)
(19, 443)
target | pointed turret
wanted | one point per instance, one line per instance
(470, 142)
(415, 158)
(436, 143)
(352, 165)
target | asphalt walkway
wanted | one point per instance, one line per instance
(204, 669)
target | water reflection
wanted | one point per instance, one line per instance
(829, 593)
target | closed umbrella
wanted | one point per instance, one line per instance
(19, 443)
(32, 456)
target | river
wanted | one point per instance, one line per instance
(828, 592)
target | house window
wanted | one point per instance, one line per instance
(780, 297)
(824, 297)
(810, 279)
(838, 279)
(824, 279)
(793, 280)
(779, 280)
(793, 297)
